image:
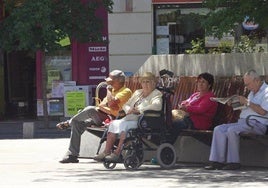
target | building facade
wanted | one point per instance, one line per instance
(141, 28)
(136, 30)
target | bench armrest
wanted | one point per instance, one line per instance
(250, 118)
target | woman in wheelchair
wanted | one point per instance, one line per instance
(147, 98)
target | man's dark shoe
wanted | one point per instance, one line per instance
(232, 166)
(69, 159)
(214, 166)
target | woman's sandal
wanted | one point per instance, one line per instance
(63, 125)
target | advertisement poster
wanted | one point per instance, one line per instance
(75, 101)
(55, 107)
(51, 76)
(162, 45)
(57, 90)
(76, 98)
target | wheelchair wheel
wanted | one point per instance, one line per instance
(109, 165)
(140, 156)
(166, 155)
(131, 162)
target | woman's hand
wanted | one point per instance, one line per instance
(133, 111)
(182, 107)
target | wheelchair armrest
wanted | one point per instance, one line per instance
(152, 113)
(150, 119)
(250, 117)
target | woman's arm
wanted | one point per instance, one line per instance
(130, 103)
(202, 106)
(155, 102)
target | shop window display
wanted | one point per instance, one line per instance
(176, 27)
(59, 73)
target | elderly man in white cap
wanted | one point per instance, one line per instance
(93, 115)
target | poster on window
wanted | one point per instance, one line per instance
(162, 30)
(162, 45)
(75, 101)
(76, 98)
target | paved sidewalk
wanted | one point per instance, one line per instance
(34, 163)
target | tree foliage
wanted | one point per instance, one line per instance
(198, 47)
(224, 14)
(41, 24)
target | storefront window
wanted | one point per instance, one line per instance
(176, 26)
(59, 73)
(59, 70)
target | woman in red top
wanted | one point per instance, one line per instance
(200, 108)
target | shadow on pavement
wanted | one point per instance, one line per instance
(182, 174)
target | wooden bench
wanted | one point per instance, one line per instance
(223, 87)
(194, 145)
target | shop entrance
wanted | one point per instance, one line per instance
(20, 87)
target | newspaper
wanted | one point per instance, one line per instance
(233, 101)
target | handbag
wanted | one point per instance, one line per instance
(179, 114)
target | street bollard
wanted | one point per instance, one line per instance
(28, 129)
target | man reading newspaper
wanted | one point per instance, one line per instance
(224, 153)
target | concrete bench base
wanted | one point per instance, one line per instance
(190, 149)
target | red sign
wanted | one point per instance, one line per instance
(91, 60)
(98, 63)
(175, 1)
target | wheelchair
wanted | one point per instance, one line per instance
(153, 133)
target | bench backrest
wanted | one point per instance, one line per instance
(223, 87)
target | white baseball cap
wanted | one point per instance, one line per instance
(115, 74)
